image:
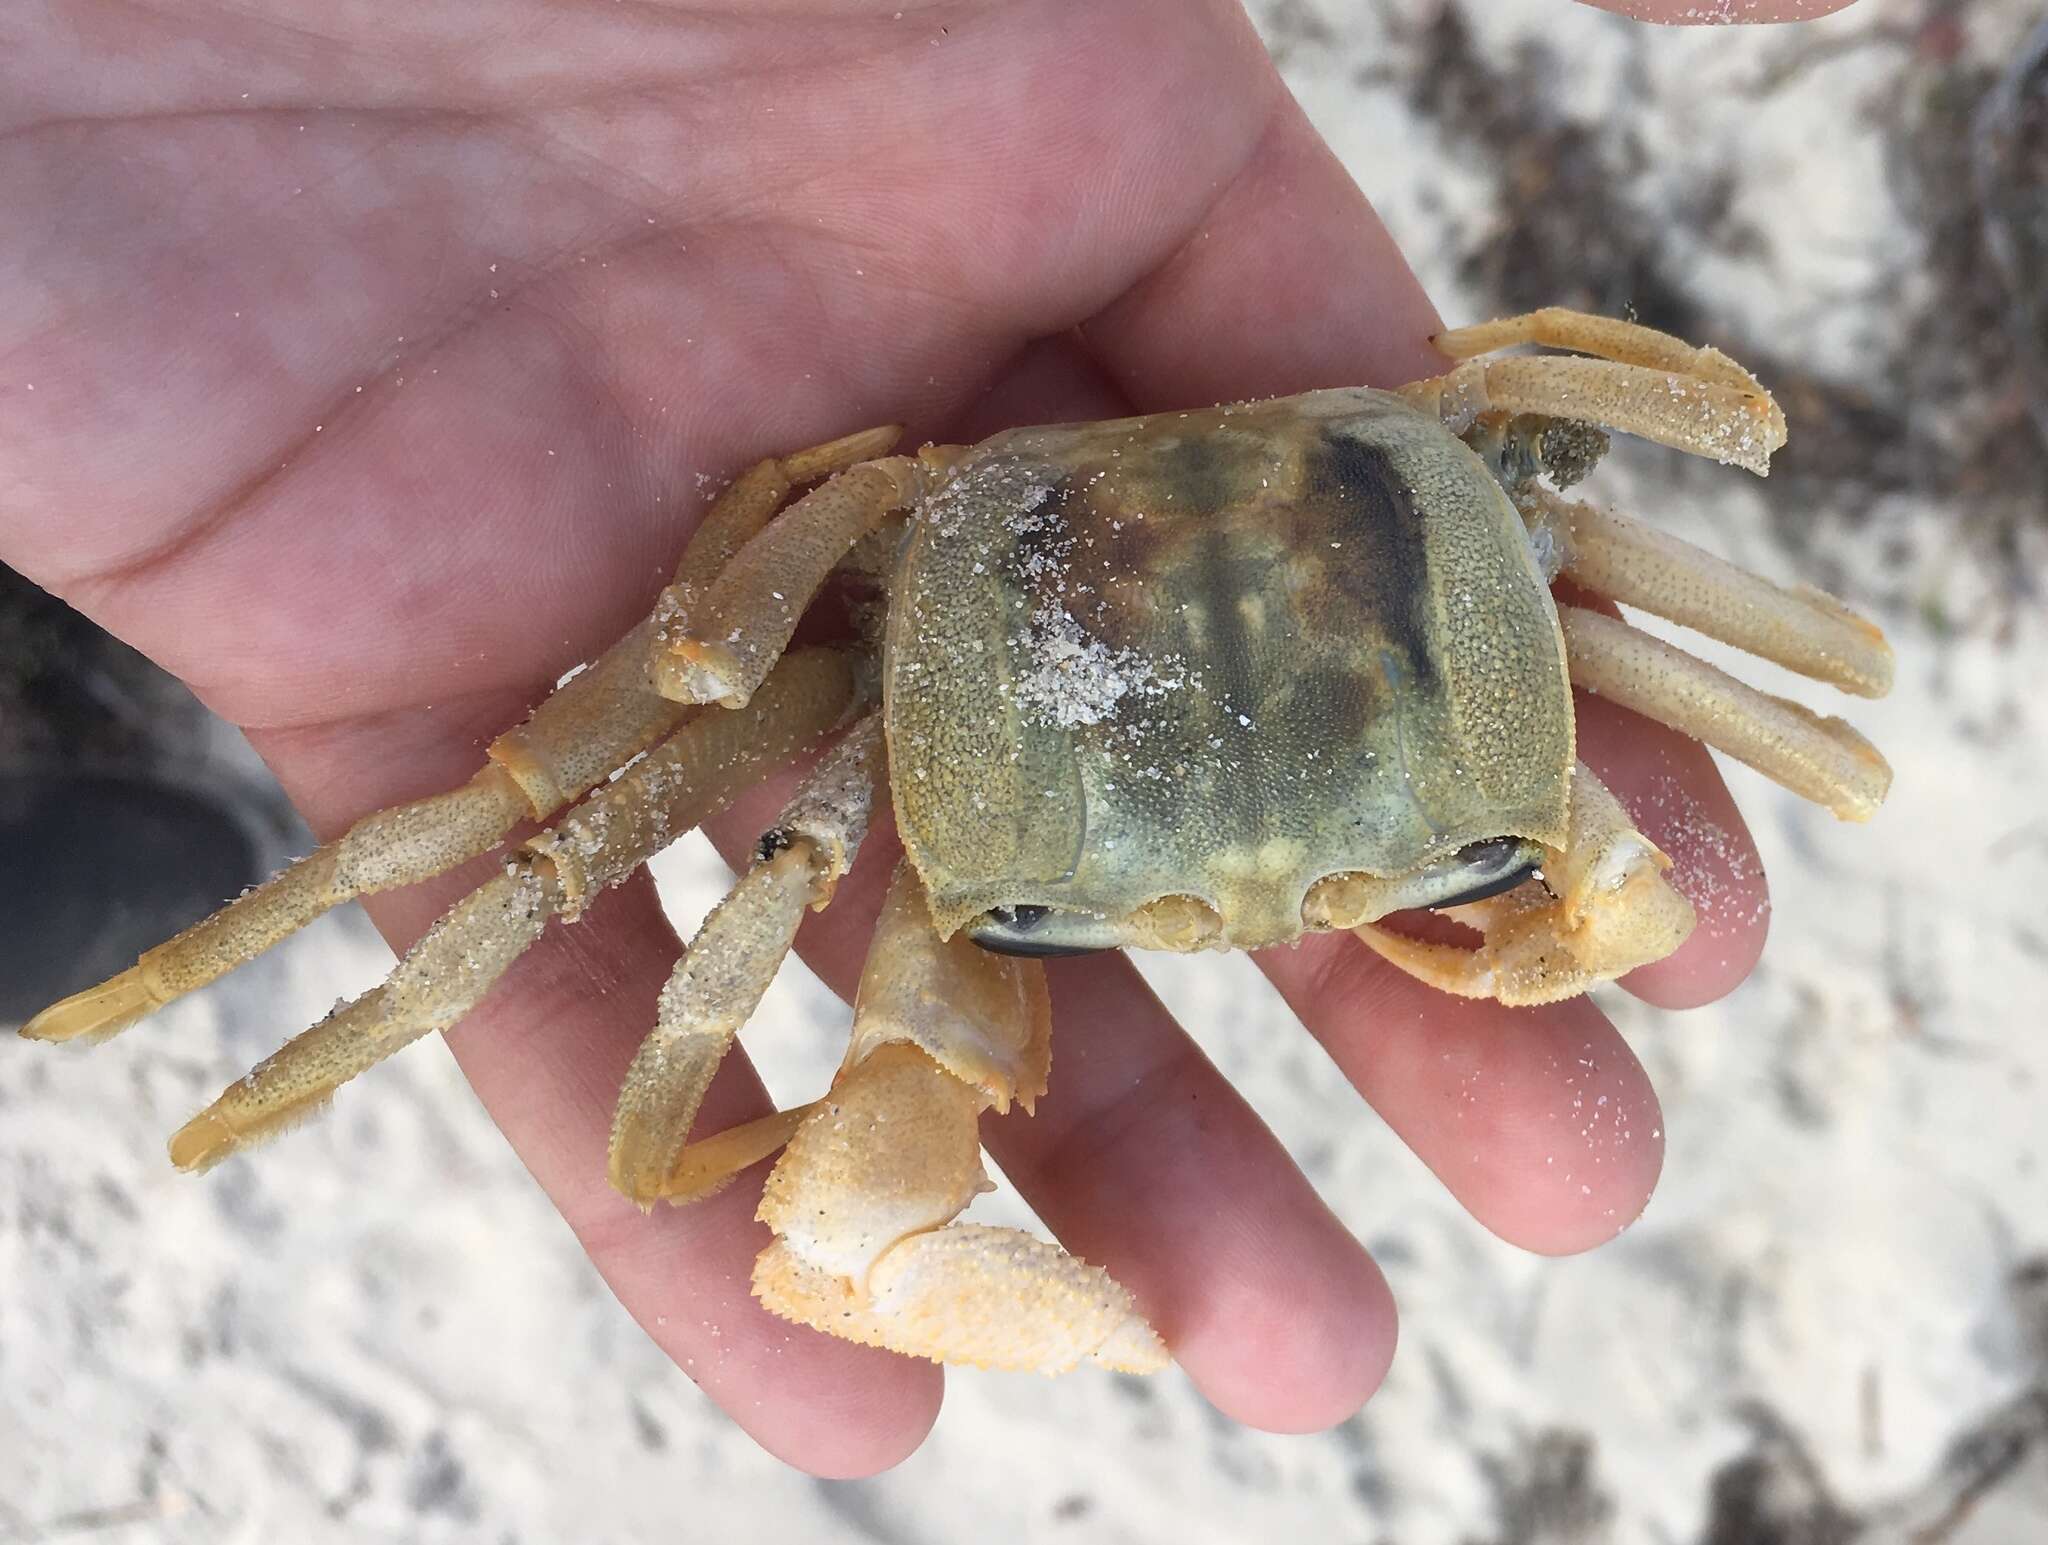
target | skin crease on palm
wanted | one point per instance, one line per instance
(365, 367)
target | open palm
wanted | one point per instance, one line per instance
(367, 367)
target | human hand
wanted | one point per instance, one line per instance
(369, 418)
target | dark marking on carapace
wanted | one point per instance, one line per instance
(1220, 579)
(1384, 563)
(1201, 472)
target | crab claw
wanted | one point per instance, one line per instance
(1601, 908)
(863, 1202)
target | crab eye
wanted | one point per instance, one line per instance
(1482, 869)
(1040, 932)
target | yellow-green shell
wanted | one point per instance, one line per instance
(1223, 654)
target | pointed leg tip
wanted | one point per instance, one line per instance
(96, 1013)
(639, 1160)
(629, 1179)
(203, 1142)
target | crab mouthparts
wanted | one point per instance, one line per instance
(1475, 872)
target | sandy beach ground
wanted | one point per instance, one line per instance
(1832, 1323)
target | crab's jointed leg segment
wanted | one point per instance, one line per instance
(441, 977)
(1628, 343)
(606, 715)
(1804, 629)
(1822, 759)
(575, 738)
(721, 977)
(705, 1167)
(863, 1201)
(1601, 908)
(1643, 382)
(984, 1018)
(385, 849)
(1650, 384)
(753, 498)
(558, 873)
(1706, 417)
(715, 989)
(714, 643)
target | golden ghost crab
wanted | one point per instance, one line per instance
(1197, 680)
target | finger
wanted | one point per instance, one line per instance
(1289, 283)
(546, 1053)
(1672, 790)
(548, 1062)
(1540, 1121)
(1677, 798)
(1713, 13)
(1143, 1158)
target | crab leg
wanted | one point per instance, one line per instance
(1824, 760)
(1739, 425)
(714, 644)
(1601, 908)
(558, 873)
(718, 983)
(1805, 630)
(863, 1201)
(388, 848)
(752, 498)
(575, 738)
(1629, 343)
(1644, 383)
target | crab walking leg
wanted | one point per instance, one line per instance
(715, 645)
(1602, 909)
(752, 498)
(718, 983)
(1734, 424)
(1803, 629)
(438, 981)
(443, 976)
(863, 1201)
(575, 738)
(606, 715)
(706, 1168)
(388, 848)
(1630, 343)
(1823, 760)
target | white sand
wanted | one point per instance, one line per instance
(380, 1330)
